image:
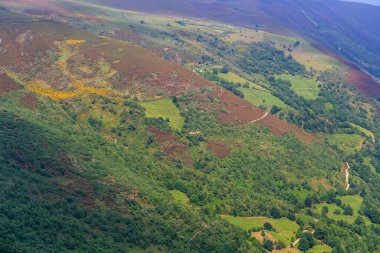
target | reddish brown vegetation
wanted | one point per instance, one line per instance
(29, 100)
(235, 110)
(7, 84)
(170, 146)
(218, 149)
(139, 72)
(279, 127)
(363, 81)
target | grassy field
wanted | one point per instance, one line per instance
(305, 53)
(305, 218)
(331, 215)
(349, 143)
(354, 201)
(365, 131)
(367, 161)
(320, 249)
(262, 98)
(285, 228)
(304, 87)
(180, 196)
(166, 109)
(232, 77)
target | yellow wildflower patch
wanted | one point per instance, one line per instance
(75, 42)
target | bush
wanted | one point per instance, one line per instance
(224, 70)
(268, 245)
(275, 213)
(95, 123)
(348, 210)
(268, 226)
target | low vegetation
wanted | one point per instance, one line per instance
(304, 87)
(165, 109)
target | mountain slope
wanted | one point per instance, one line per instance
(348, 29)
(105, 146)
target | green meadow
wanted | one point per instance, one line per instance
(349, 143)
(323, 248)
(180, 196)
(304, 87)
(262, 98)
(365, 131)
(285, 228)
(165, 109)
(354, 201)
(232, 77)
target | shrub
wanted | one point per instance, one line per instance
(268, 226)
(95, 123)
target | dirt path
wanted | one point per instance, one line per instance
(347, 176)
(261, 118)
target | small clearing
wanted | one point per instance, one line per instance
(304, 87)
(262, 98)
(165, 109)
(285, 228)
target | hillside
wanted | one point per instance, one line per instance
(331, 23)
(125, 131)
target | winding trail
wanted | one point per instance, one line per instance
(261, 118)
(347, 176)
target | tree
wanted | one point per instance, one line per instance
(303, 244)
(225, 69)
(348, 210)
(268, 245)
(359, 220)
(280, 245)
(325, 210)
(319, 233)
(175, 100)
(95, 123)
(246, 85)
(308, 201)
(292, 216)
(310, 239)
(268, 226)
(275, 109)
(275, 213)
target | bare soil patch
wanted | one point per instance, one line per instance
(261, 238)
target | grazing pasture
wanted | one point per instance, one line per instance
(165, 109)
(232, 77)
(365, 131)
(262, 98)
(304, 87)
(354, 201)
(347, 142)
(322, 248)
(285, 228)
